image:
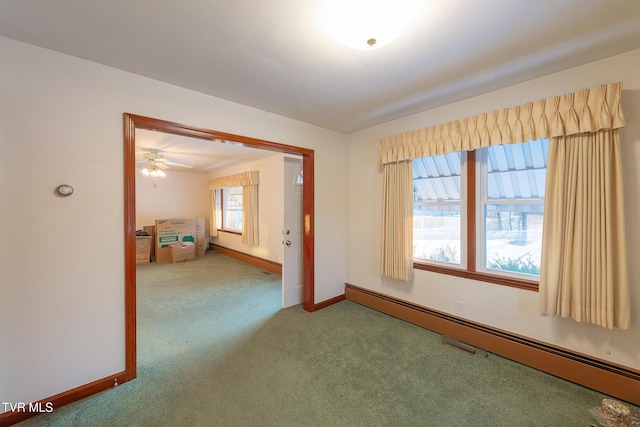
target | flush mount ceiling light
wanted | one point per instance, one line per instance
(368, 24)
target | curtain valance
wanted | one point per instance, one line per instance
(588, 110)
(241, 179)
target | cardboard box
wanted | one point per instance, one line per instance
(200, 237)
(151, 229)
(170, 231)
(180, 252)
(143, 249)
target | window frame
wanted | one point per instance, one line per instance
(470, 270)
(222, 209)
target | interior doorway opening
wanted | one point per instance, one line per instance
(133, 122)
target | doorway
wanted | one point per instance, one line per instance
(133, 122)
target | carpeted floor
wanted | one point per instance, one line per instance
(215, 349)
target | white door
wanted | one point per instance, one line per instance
(292, 278)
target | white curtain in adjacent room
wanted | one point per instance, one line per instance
(213, 226)
(250, 215)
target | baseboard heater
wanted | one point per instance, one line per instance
(615, 380)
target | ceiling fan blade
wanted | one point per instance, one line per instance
(158, 159)
(177, 164)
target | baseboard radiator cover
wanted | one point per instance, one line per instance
(614, 380)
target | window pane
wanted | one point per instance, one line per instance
(436, 233)
(512, 206)
(437, 208)
(233, 208)
(516, 171)
(513, 237)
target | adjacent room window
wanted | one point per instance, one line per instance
(480, 212)
(229, 208)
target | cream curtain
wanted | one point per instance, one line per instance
(213, 226)
(250, 215)
(588, 110)
(241, 179)
(397, 221)
(584, 264)
(249, 182)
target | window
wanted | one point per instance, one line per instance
(479, 214)
(229, 209)
(511, 205)
(438, 208)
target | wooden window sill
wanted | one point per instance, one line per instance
(513, 282)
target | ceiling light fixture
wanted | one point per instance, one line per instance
(368, 24)
(153, 171)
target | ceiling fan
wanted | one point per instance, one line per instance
(155, 158)
(157, 162)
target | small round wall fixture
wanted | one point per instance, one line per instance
(64, 190)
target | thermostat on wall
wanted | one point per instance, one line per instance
(64, 190)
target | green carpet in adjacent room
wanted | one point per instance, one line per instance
(215, 349)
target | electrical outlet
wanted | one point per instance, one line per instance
(459, 308)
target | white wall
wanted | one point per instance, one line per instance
(502, 307)
(177, 195)
(62, 260)
(270, 209)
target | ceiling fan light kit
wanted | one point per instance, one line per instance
(157, 163)
(153, 171)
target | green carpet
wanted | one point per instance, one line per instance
(215, 349)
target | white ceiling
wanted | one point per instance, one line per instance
(275, 55)
(203, 156)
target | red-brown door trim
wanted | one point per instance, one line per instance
(133, 122)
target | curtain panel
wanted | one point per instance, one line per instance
(588, 110)
(250, 215)
(213, 225)
(583, 273)
(397, 221)
(249, 182)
